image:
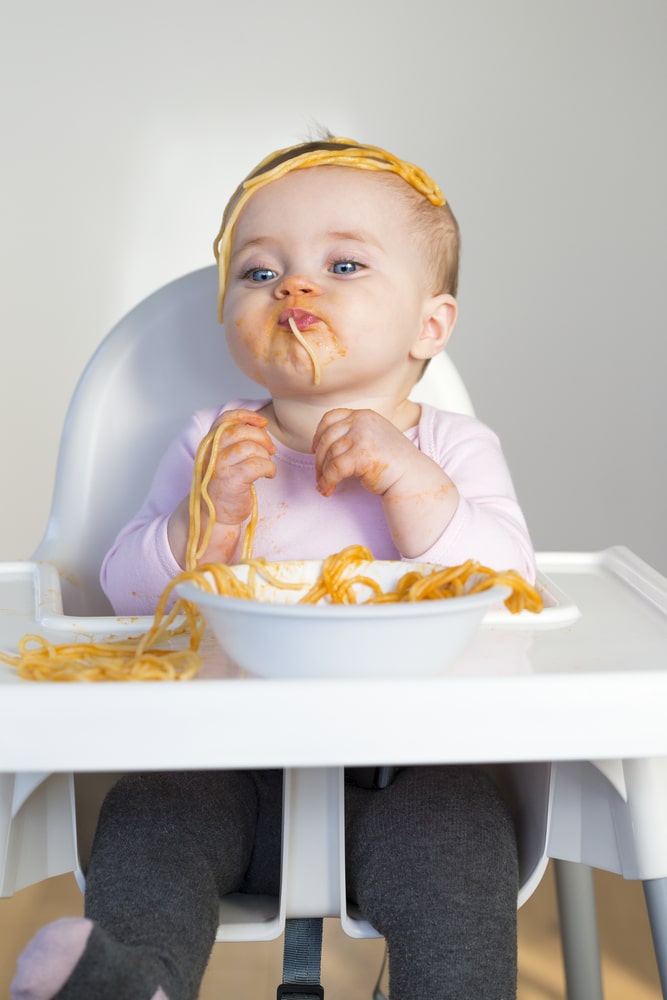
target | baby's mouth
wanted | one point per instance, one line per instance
(300, 317)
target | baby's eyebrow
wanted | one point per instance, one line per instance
(340, 235)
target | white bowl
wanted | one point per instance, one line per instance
(278, 638)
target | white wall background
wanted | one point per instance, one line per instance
(125, 125)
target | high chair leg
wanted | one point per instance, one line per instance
(579, 932)
(655, 893)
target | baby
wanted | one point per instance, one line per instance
(338, 275)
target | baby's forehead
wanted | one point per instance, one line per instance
(328, 191)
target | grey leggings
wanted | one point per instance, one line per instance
(431, 863)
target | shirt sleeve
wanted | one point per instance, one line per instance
(140, 563)
(488, 525)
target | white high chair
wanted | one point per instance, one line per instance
(166, 358)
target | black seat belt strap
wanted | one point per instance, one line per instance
(302, 959)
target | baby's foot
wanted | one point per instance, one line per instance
(73, 959)
(48, 961)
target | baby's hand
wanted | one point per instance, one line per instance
(418, 497)
(364, 445)
(244, 455)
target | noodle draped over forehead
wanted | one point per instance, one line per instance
(329, 152)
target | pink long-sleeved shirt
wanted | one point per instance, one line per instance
(296, 522)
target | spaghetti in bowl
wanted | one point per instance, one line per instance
(275, 635)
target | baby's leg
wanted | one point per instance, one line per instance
(167, 846)
(432, 863)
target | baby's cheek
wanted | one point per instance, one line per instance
(249, 351)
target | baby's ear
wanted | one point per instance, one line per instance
(438, 322)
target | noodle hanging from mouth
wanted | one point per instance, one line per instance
(308, 349)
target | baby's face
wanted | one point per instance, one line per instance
(332, 249)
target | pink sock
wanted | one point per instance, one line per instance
(49, 959)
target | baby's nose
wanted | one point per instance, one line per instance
(296, 284)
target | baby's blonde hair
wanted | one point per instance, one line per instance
(437, 233)
(435, 225)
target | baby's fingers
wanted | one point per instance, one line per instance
(334, 464)
(332, 425)
(249, 417)
(229, 434)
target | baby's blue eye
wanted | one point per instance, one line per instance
(261, 274)
(346, 267)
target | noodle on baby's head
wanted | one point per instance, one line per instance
(330, 152)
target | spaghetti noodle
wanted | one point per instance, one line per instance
(146, 657)
(308, 349)
(197, 543)
(338, 582)
(142, 659)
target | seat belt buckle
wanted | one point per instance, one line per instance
(313, 990)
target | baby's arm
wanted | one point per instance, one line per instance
(141, 561)
(453, 494)
(418, 497)
(489, 524)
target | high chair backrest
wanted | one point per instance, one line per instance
(164, 359)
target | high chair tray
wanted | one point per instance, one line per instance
(594, 688)
(31, 601)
